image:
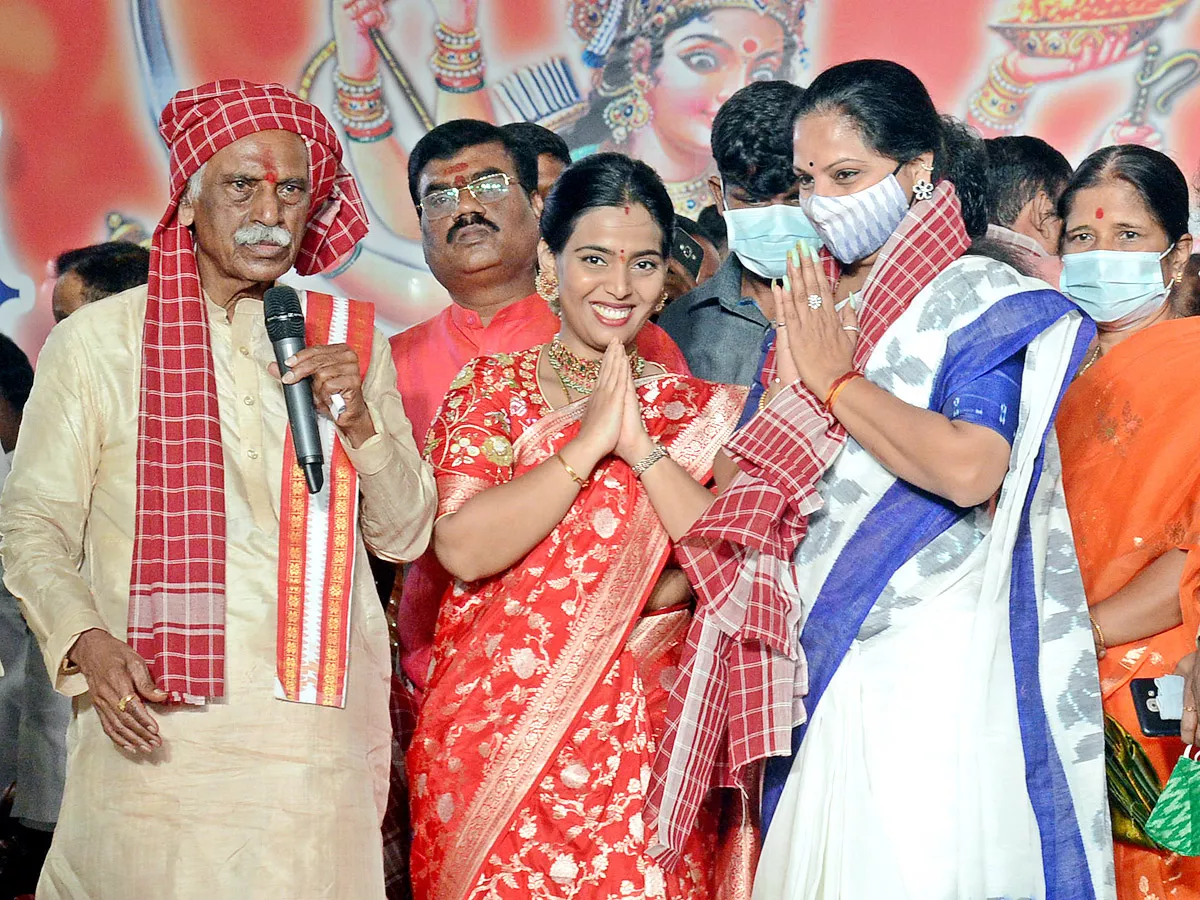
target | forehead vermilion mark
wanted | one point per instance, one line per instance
(457, 167)
(1099, 212)
(621, 255)
(272, 174)
(750, 45)
(626, 209)
(460, 180)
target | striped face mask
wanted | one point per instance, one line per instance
(854, 226)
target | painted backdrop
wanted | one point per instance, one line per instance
(82, 82)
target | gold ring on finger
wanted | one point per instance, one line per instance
(815, 301)
(853, 328)
(123, 702)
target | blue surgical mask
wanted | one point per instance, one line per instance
(761, 236)
(1115, 285)
(854, 226)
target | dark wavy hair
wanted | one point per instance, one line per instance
(752, 138)
(106, 268)
(895, 115)
(604, 180)
(539, 140)
(16, 374)
(1153, 175)
(1018, 167)
(450, 138)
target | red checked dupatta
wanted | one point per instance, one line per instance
(532, 754)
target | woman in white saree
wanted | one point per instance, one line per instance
(953, 746)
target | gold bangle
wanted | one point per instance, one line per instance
(1099, 633)
(582, 482)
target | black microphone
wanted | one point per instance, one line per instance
(285, 328)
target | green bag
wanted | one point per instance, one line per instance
(1175, 822)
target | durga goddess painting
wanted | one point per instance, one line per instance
(659, 71)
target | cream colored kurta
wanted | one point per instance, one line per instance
(249, 797)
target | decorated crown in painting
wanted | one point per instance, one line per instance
(600, 23)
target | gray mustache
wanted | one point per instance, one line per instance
(263, 234)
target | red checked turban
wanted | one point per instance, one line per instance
(177, 590)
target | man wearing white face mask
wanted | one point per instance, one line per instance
(723, 325)
(1128, 430)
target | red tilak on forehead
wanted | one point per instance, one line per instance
(272, 175)
(460, 180)
(457, 167)
(621, 254)
(750, 45)
(1099, 212)
(626, 209)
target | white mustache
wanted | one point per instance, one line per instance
(263, 234)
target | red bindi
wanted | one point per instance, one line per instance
(1099, 212)
(626, 210)
(621, 254)
(750, 45)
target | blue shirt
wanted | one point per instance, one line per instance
(719, 331)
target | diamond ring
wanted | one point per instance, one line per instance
(814, 301)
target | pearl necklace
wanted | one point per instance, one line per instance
(578, 374)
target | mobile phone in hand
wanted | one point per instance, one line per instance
(1159, 704)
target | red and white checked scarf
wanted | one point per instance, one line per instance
(177, 584)
(738, 695)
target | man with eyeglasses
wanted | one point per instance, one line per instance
(475, 189)
(724, 325)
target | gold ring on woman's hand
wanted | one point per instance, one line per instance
(123, 702)
(853, 328)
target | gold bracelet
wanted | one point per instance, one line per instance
(582, 482)
(1099, 633)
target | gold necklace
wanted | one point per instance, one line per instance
(688, 197)
(578, 374)
(1089, 362)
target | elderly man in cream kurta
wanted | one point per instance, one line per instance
(246, 796)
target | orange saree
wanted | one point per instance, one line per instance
(1129, 430)
(532, 752)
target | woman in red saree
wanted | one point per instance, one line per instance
(1128, 430)
(564, 473)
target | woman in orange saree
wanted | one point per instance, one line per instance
(1128, 430)
(564, 472)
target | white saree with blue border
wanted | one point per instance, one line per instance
(954, 739)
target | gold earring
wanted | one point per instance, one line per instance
(547, 288)
(1178, 279)
(629, 109)
(661, 304)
